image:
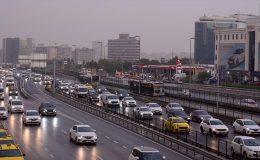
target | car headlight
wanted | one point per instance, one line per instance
(188, 118)
(247, 128)
(44, 110)
(213, 129)
(27, 118)
(95, 137)
(141, 113)
(54, 110)
(250, 150)
(201, 118)
(79, 137)
(38, 118)
(12, 106)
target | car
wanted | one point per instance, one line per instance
(111, 100)
(102, 96)
(248, 103)
(128, 102)
(10, 151)
(178, 113)
(3, 133)
(9, 81)
(247, 147)
(175, 106)
(83, 134)
(3, 112)
(6, 140)
(31, 117)
(246, 126)
(186, 92)
(143, 112)
(155, 108)
(101, 89)
(2, 96)
(213, 126)
(199, 115)
(122, 93)
(177, 124)
(47, 108)
(80, 91)
(15, 105)
(92, 96)
(145, 153)
(13, 91)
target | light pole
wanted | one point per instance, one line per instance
(190, 60)
(217, 71)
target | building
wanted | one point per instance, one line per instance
(25, 46)
(64, 52)
(124, 48)
(10, 50)
(237, 51)
(205, 36)
(52, 53)
(97, 47)
(83, 55)
(39, 56)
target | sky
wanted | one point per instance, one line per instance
(164, 25)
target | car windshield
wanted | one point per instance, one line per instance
(3, 134)
(2, 108)
(6, 142)
(251, 142)
(129, 98)
(10, 153)
(154, 105)
(202, 113)
(151, 156)
(10, 80)
(82, 89)
(32, 113)
(144, 109)
(85, 129)
(179, 113)
(112, 97)
(216, 122)
(92, 93)
(91, 90)
(175, 105)
(180, 120)
(249, 123)
(48, 105)
(16, 103)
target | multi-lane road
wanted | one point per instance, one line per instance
(51, 139)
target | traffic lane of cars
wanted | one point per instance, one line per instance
(120, 141)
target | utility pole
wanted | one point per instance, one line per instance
(190, 61)
(54, 75)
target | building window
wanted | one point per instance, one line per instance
(232, 36)
(220, 37)
(245, 36)
(225, 37)
(236, 36)
(216, 37)
(228, 36)
(216, 47)
(241, 36)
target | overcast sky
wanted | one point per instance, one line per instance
(164, 25)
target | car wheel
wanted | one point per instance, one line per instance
(201, 130)
(244, 156)
(232, 152)
(210, 132)
(244, 132)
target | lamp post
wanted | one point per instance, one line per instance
(190, 60)
(217, 71)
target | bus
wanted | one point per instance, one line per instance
(149, 88)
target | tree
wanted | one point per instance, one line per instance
(203, 76)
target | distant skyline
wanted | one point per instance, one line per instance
(164, 25)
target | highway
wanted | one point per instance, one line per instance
(51, 139)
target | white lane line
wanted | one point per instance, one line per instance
(69, 117)
(99, 157)
(63, 131)
(115, 141)
(124, 147)
(51, 155)
(107, 137)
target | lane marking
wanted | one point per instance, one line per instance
(63, 131)
(107, 137)
(51, 155)
(124, 147)
(115, 142)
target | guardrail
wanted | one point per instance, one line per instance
(188, 145)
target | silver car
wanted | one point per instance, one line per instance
(3, 113)
(143, 112)
(155, 108)
(31, 117)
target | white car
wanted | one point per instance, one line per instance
(3, 113)
(248, 103)
(31, 117)
(128, 102)
(213, 126)
(111, 100)
(143, 112)
(145, 153)
(155, 108)
(15, 105)
(246, 126)
(83, 134)
(245, 146)
(175, 106)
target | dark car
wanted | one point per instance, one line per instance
(47, 108)
(122, 93)
(178, 113)
(92, 96)
(199, 115)
(13, 91)
(100, 90)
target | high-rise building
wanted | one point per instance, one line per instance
(11, 50)
(124, 48)
(97, 47)
(204, 49)
(83, 55)
(25, 46)
(64, 52)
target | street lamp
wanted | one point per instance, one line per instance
(190, 59)
(217, 70)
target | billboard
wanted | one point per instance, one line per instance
(232, 56)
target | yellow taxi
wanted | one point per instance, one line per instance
(88, 86)
(3, 133)
(10, 152)
(6, 140)
(177, 124)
